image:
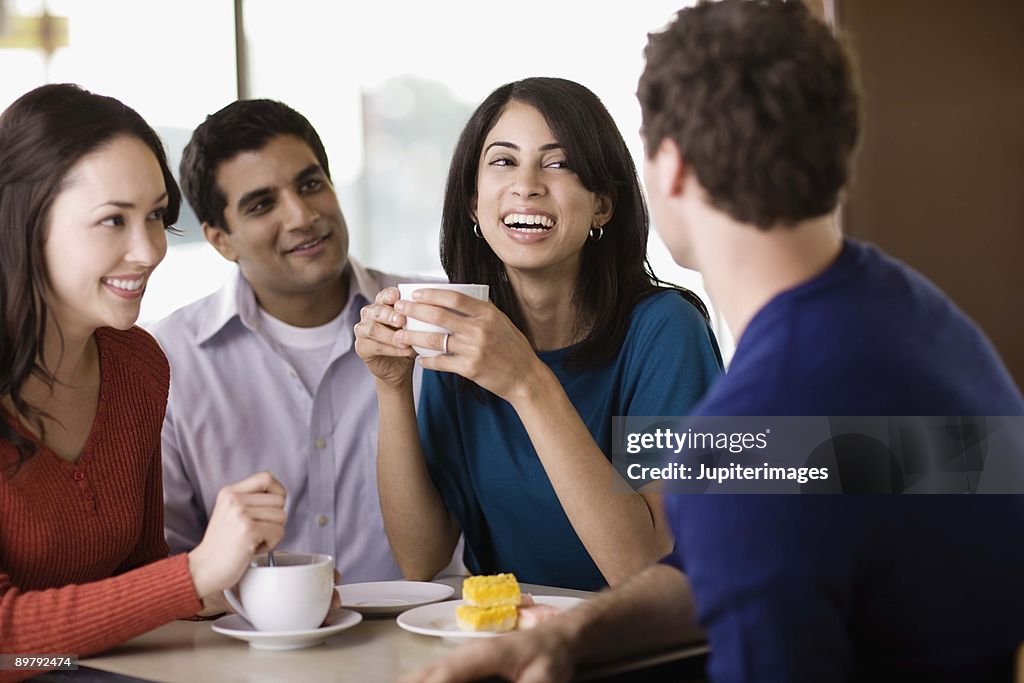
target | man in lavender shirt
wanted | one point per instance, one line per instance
(263, 372)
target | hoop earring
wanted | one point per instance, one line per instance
(596, 233)
(477, 232)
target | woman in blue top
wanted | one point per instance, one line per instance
(513, 444)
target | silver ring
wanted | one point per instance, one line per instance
(445, 345)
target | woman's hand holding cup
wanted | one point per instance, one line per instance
(481, 345)
(388, 361)
(248, 519)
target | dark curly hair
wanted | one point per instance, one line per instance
(761, 100)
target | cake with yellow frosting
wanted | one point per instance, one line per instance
(490, 603)
(491, 591)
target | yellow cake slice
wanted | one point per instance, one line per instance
(498, 619)
(491, 591)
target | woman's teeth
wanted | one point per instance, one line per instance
(528, 222)
(127, 285)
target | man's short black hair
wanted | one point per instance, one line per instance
(242, 126)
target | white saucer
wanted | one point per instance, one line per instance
(235, 626)
(439, 619)
(379, 598)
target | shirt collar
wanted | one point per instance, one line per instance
(236, 299)
(366, 284)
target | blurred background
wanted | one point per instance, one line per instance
(939, 181)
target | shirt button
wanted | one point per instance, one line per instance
(321, 520)
(292, 374)
(78, 476)
(321, 444)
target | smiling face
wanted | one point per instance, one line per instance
(531, 206)
(104, 236)
(285, 228)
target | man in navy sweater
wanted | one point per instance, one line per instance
(750, 120)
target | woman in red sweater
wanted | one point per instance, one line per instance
(85, 199)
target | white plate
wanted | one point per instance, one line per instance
(235, 626)
(439, 620)
(379, 598)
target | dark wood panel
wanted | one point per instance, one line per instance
(939, 179)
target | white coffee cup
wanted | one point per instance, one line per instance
(293, 595)
(413, 325)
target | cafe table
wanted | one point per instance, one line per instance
(376, 649)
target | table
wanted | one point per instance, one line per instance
(375, 650)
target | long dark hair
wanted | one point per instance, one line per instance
(614, 272)
(43, 134)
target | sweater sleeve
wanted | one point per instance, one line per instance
(92, 617)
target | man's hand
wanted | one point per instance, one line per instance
(335, 596)
(652, 611)
(543, 654)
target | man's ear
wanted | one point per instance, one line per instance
(669, 168)
(221, 241)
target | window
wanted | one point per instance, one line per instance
(171, 62)
(388, 85)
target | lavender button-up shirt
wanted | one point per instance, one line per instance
(237, 406)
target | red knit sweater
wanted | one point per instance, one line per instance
(83, 560)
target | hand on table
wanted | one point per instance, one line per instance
(484, 346)
(247, 519)
(214, 605)
(375, 343)
(539, 655)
